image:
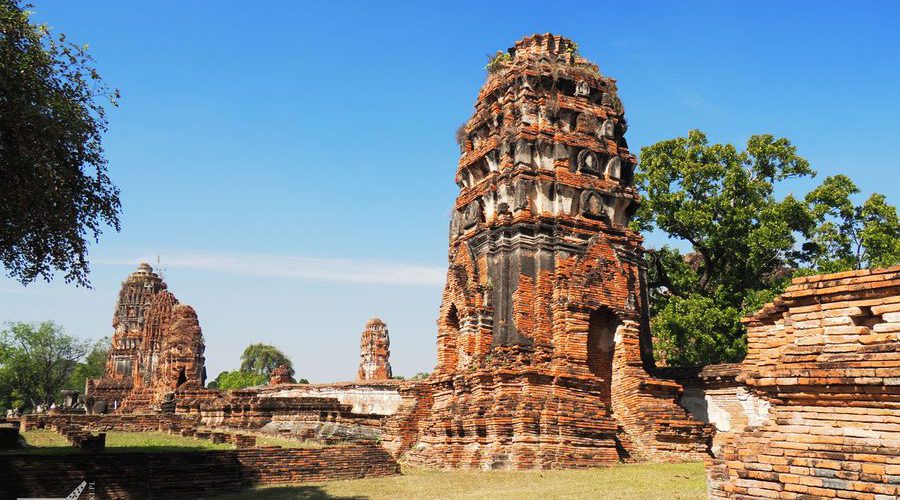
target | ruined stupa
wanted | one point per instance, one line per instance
(157, 346)
(374, 352)
(543, 342)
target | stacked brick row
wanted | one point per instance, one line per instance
(826, 355)
(187, 474)
(542, 334)
(114, 422)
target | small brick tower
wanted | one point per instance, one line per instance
(374, 352)
(542, 332)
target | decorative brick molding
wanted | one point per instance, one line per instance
(826, 355)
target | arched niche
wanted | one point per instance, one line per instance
(601, 340)
(449, 334)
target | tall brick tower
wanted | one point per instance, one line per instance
(157, 346)
(375, 352)
(543, 320)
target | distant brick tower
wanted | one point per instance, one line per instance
(542, 338)
(374, 352)
(157, 345)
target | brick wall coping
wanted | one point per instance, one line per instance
(815, 290)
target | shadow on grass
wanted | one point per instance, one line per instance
(305, 492)
(67, 450)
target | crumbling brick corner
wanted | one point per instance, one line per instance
(826, 356)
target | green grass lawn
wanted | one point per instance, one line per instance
(622, 482)
(47, 441)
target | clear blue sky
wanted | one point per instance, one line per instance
(292, 162)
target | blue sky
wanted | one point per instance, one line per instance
(291, 163)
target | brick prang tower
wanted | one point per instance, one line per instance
(542, 334)
(375, 352)
(157, 346)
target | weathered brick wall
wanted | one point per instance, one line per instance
(133, 422)
(713, 395)
(826, 355)
(542, 335)
(187, 474)
(271, 410)
(401, 429)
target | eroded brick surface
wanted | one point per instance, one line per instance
(542, 334)
(826, 355)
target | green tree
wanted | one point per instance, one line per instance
(92, 367)
(237, 379)
(56, 192)
(745, 243)
(37, 361)
(263, 358)
(848, 236)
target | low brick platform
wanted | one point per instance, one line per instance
(188, 474)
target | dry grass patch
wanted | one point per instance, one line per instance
(622, 482)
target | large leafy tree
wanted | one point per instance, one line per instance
(745, 242)
(263, 358)
(847, 235)
(237, 379)
(92, 367)
(257, 363)
(56, 192)
(37, 361)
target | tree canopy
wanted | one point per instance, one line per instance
(36, 362)
(263, 358)
(257, 363)
(745, 242)
(57, 194)
(92, 367)
(237, 379)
